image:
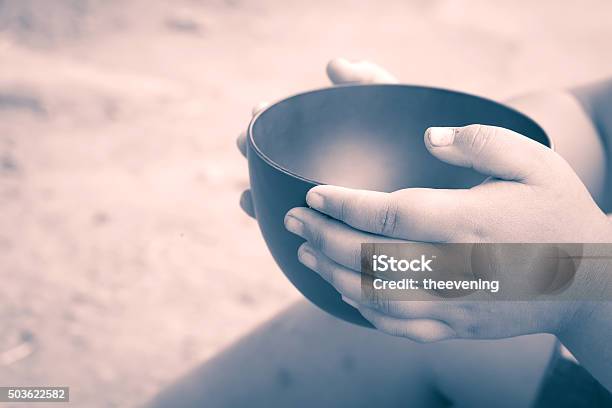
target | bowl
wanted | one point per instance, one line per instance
(359, 136)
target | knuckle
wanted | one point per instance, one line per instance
(478, 138)
(343, 210)
(326, 270)
(350, 210)
(387, 218)
(316, 237)
(332, 276)
(472, 329)
(398, 331)
(381, 303)
(356, 256)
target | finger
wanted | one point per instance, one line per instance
(492, 151)
(343, 71)
(417, 214)
(419, 330)
(351, 302)
(344, 280)
(336, 240)
(246, 203)
(349, 283)
(259, 107)
(241, 143)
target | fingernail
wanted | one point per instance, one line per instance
(306, 257)
(440, 136)
(294, 225)
(350, 302)
(315, 200)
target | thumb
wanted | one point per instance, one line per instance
(493, 151)
(343, 71)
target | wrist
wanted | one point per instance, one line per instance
(573, 133)
(592, 288)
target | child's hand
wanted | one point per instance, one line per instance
(533, 195)
(340, 71)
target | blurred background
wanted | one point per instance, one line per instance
(125, 260)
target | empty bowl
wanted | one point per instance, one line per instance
(359, 136)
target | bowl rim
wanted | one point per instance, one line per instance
(269, 161)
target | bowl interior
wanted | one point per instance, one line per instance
(371, 136)
(355, 136)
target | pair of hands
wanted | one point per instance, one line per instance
(531, 195)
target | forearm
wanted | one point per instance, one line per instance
(580, 124)
(596, 98)
(589, 338)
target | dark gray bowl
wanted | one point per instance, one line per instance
(361, 136)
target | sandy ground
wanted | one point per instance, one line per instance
(125, 260)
